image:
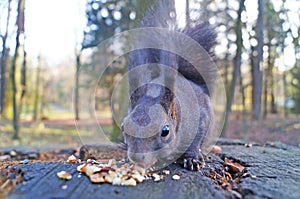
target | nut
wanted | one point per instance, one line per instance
(64, 175)
(96, 178)
(82, 168)
(72, 159)
(125, 174)
(156, 177)
(175, 177)
(129, 182)
(111, 162)
(167, 172)
(116, 181)
(138, 177)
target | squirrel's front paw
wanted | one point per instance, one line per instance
(193, 164)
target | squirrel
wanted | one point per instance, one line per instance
(153, 128)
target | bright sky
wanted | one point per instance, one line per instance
(52, 28)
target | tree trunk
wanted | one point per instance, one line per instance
(267, 78)
(4, 62)
(237, 66)
(20, 30)
(187, 14)
(244, 111)
(257, 74)
(226, 59)
(265, 86)
(284, 86)
(23, 69)
(273, 108)
(76, 94)
(37, 90)
(14, 93)
(23, 82)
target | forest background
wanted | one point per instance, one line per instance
(51, 96)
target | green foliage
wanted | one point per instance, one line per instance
(105, 18)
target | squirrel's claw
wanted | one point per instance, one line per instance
(193, 164)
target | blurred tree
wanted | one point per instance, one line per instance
(105, 18)
(237, 63)
(20, 32)
(37, 90)
(273, 29)
(296, 73)
(4, 61)
(23, 81)
(296, 86)
(76, 97)
(187, 13)
(257, 63)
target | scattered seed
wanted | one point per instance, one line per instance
(64, 175)
(72, 159)
(175, 177)
(129, 182)
(64, 186)
(167, 172)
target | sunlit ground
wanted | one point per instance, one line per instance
(54, 133)
(64, 133)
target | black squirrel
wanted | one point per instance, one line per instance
(157, 127)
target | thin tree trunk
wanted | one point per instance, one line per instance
(257, 74)
(244, 111)
(273, 108)
(187, 14)
(237, 66)
(37, 90)
(266, 81)
(285, 111)
(20, 30)
(4, 62)
(14, 93)
(23, 69)
(227, 65)
(76, 97)
(23, 82)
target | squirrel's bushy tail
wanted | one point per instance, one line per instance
(163, 15)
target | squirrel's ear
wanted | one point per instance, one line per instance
(204, 34)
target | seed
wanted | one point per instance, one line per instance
(129, 182)
(72, 159)
(64, 175)
(175, 177)
(167, 172)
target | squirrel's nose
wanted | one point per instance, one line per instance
(136, 157)
(144, 160)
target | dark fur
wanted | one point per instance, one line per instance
(140, 104)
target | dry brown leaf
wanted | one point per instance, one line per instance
(233, 167)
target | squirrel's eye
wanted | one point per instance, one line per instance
(165, 131)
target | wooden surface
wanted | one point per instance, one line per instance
(275, 171)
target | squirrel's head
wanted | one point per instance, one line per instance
(149, 130)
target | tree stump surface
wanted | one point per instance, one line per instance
(274, 173)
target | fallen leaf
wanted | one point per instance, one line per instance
(233, 167)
